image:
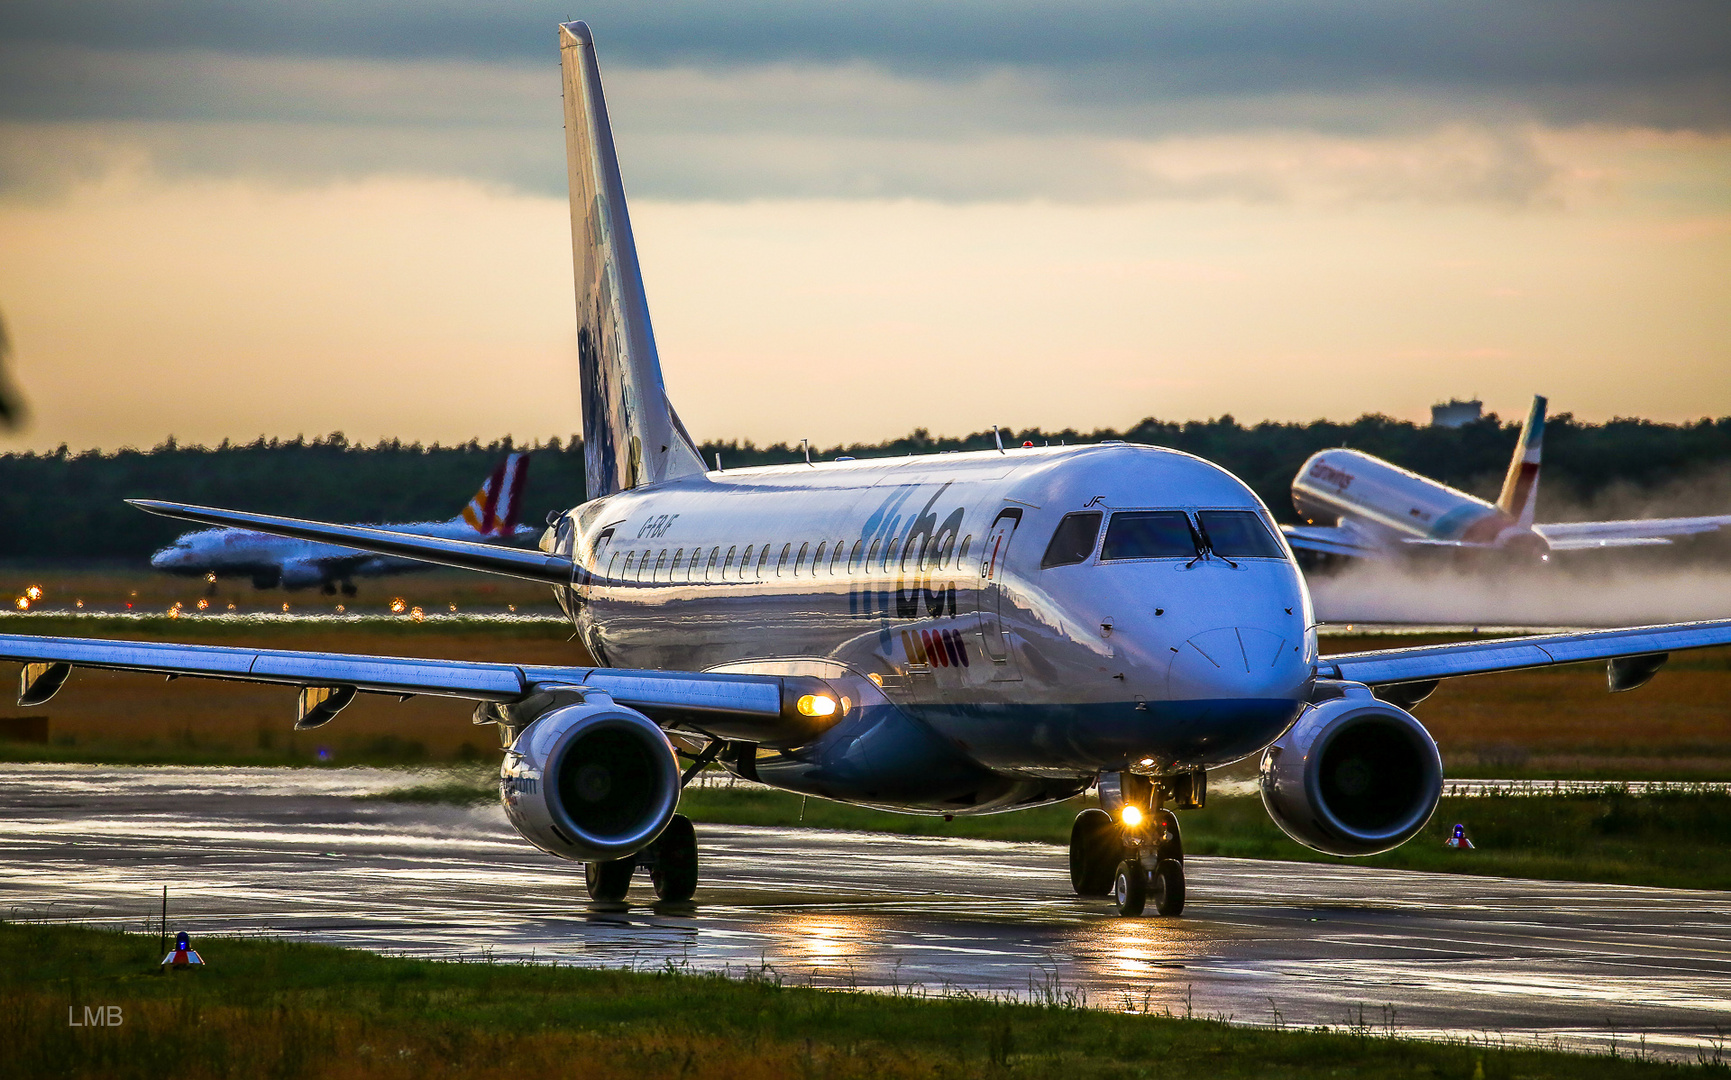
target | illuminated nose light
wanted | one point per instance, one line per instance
(816, 705)
(1131, 816)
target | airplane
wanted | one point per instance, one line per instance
(490, 516)
(959, 633)
(1358, 506)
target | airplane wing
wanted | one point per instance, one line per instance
(1333, 540)
(747, 707)
(1577, 535)
(1423, 663)
(465, 554)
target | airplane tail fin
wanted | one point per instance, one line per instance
(1521, 485)
(631, 434)
(497, 507)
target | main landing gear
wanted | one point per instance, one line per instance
(1137, 859)
(671, 862)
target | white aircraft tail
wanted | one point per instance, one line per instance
(631, 435)
(498, 506)
(1521, 485)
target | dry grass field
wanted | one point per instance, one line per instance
(1558, 722)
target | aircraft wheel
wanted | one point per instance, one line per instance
(1130, 888)
(1166, 887)
(675, 872)
(609, 881)
(349, 588)
(1095, 849)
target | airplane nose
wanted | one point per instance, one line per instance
(1237, 662)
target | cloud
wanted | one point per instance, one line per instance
(1091, 101)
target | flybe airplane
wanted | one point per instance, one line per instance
(1359, 506)
(963, 633)
(270, 560)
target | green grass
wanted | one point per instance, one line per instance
(1682, 841)
(265, 1008)
(1674, 840)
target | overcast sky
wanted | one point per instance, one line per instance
(226, 220)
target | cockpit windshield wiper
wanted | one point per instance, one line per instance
(1205, 546)
(1198, 540)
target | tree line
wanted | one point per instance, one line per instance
(62, 505)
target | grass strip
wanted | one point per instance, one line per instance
(1669, 840)
(278, 1009)
(1673, 840)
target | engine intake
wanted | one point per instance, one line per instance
(1354, 775)
(591, 780)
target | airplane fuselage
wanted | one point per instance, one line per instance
(976, 678)
(1346, 485)
(298, 563)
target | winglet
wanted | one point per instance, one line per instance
(631, 435)
(1521, 486)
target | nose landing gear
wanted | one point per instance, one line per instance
(1136, 858)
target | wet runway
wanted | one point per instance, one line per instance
(289, 853)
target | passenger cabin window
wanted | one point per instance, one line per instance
(1073, 540)
(714, 561)
(1149, 534)
(745, 561)
(890, 552)
(781, 563)
(967, 542)
(835, 555)
(660, 563)
(673, 570)
(727, 563)
(762, 559)
(817, 559)
(853, 556)
(1238, 534)
(872, 555)
(630, 561)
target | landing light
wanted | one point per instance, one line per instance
(816, 705)
(1131, 816)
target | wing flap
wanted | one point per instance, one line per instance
(1512, 654)
(1640, 530)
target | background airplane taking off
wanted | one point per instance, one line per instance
(490, 517)
(1358, 505)
(945, 634)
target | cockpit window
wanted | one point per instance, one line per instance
(1149, 534)
(1238, 534)
(1074, 539)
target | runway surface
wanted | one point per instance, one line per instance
(290, 853)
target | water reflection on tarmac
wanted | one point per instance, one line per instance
(289, 853)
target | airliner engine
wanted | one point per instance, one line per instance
(1354, 775)
(590, 780)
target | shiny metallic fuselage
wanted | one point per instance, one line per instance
(1381, 498)
(974, 682)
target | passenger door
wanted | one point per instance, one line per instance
(991, 593)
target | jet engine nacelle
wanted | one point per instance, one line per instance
(1354, 775)
(590, 781)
